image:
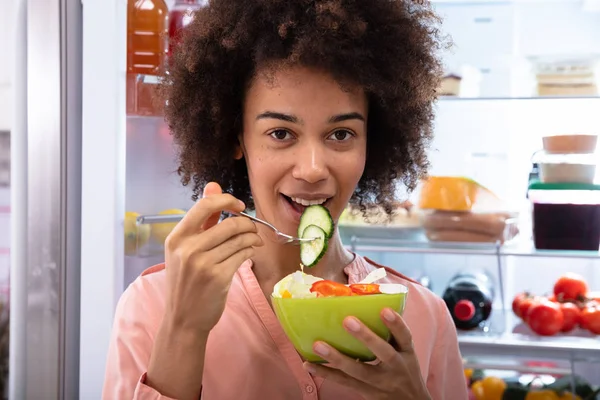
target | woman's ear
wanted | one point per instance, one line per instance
(238, 154)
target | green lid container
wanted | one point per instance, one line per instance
(564, 193)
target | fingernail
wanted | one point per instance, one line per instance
(321, 349)
(310, 368)
(389, 315)
(242, 205)
(352, 324)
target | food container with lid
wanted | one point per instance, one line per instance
(566, 216)
(566, 168)
(459, 209)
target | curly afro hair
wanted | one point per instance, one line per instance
(388, 47)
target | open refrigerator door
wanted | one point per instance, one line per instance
(45, 181)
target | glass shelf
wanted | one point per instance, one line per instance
(518, 341)
(412, 240)
(397, 239)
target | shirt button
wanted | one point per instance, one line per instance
(309, 388)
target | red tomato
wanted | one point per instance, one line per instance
(590, 318)
(365, 288)
(327, 288)
(525, 305)
(570, 286)
(517, 302)
(545, 318)
(571, 315)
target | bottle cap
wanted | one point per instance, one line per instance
(464, 310)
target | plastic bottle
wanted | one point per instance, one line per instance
(147, 39)
(146, 36)
(469, 297)
(180, 16)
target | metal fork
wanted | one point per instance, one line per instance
(282, 237)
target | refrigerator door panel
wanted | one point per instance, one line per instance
(103, 189)
(44, 353)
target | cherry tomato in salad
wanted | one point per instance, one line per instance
(570, 286)
(365, 288)
(590, 318)
(327, 288)
(545, 318)
(571, 315)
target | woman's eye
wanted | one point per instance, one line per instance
(280, 134)
(341, 135)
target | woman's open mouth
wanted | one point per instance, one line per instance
(297, 205)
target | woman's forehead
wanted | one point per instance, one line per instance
(303, 88)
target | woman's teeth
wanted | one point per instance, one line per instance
(308, 202)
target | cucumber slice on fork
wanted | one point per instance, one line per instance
(316, 215)
(311, 252)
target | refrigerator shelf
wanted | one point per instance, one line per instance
(576, 348)
(505, 335)
(412, 240)
(396, 239)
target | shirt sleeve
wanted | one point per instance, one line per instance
(446, 380)
(130, 346)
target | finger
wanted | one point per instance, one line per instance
(232, 246)
(338, 376)
(211, 188)
(195, 218)
(384, 351)
(222, 232)
(399, 330)
(235, 261)
(350, 366)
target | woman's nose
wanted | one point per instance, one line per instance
(311, 163)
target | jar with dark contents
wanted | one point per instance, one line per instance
(566, 216)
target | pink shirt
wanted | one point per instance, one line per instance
(248, 355)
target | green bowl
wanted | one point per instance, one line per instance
(306, 321)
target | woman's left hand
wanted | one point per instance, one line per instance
(396, 376)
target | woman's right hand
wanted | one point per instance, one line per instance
(201, 258)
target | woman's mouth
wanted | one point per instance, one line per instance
(298, 205)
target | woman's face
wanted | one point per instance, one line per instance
(305, 142)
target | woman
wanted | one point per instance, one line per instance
(285, 104)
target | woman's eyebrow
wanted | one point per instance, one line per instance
(346, 117)
(293, 119)
(278, 115)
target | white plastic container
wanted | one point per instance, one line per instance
(567, 168)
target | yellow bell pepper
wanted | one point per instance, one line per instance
(468, 373)
(493, 387)
(477, 389)
(489, 388)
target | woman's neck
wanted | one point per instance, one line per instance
(274, 260)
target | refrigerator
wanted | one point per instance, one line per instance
(45, 199)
